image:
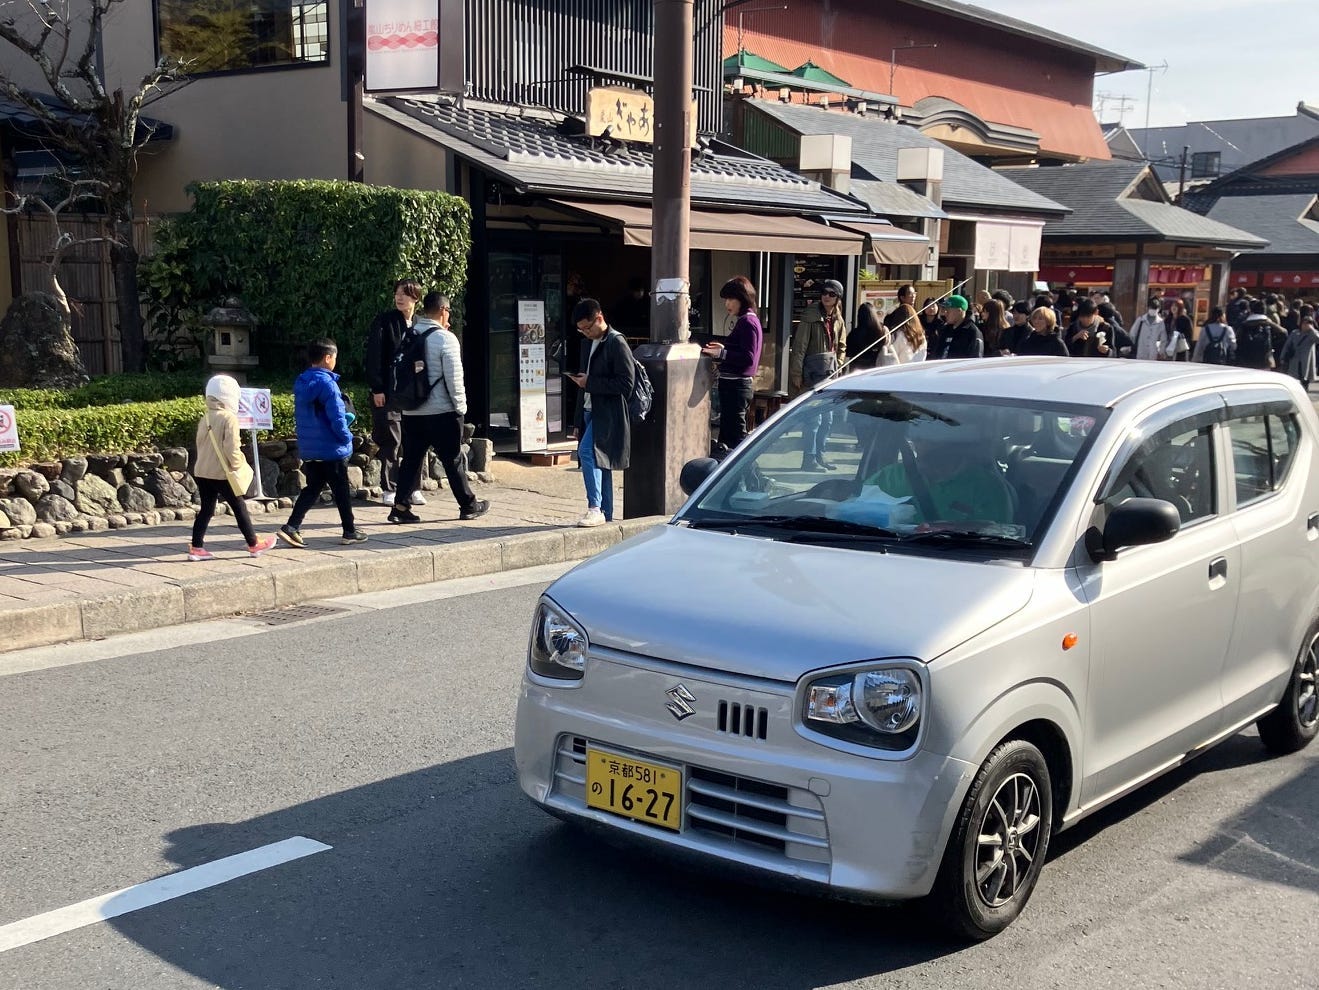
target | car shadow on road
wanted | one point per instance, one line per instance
(448, 876)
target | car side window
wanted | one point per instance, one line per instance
(1176, 465)
(1263, 448)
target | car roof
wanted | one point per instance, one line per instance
(1074, 381)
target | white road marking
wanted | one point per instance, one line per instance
(166, 888)
(153, 641)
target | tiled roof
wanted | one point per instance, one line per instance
(1097, 194)
(875, 146)
(532, 153)
(1282, 220)
(1240, 142)
(888, 199)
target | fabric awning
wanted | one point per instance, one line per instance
(714, 231)
(890, 245)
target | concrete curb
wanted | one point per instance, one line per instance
(175, 602)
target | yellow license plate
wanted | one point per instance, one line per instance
(634, 789)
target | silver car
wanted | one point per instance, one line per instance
(1014, 591)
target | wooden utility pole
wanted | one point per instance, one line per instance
(678, 428)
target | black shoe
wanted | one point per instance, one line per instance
(477, 508)
(822, 464)
(291, 536)
(402, 514)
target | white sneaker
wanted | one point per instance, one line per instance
(386, 498)
(418, 498)
(593, 517)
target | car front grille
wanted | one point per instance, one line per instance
(743, 720)
(724, 808)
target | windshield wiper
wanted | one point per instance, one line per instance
(807, 527)
(967, 538)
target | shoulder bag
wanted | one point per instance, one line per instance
(240, 480)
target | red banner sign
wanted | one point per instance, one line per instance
(1078, 274)
(1291, 280)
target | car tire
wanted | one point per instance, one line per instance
(979, 890)
(1295, 721)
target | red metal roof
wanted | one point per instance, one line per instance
(1065, 127)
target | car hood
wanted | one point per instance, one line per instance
(770, 609)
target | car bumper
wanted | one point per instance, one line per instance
(783, 805)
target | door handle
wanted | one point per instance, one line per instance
(1312, 524)
(1218, 570)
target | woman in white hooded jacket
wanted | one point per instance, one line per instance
(220, 456)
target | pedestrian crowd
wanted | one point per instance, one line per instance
(414, 370)
(418, 399)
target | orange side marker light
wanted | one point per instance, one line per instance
(1070, 640)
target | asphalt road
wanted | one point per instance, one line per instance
(385, 734)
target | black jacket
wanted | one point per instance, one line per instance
(382, 340)
(609, 380)
(961, 341)
(1090, 346)
(1042, 344)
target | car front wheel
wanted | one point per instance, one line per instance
(999, 843)
(1295, 721)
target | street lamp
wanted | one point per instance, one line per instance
(893, 60)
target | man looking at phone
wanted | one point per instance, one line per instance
(602, 417)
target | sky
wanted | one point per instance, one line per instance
(1226, 58)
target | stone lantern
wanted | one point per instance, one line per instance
(232, 327)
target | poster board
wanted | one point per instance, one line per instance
(8, 429)
(533, 426)
(254, 409)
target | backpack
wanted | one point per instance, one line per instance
(643, 393)
(410, 381)
(1215, 351)
(1255, 346)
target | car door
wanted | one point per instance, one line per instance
(1161, 616)
(1275, 501)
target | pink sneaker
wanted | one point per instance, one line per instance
(198, 553)
(257, 549)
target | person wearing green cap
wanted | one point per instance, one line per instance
(961, 339)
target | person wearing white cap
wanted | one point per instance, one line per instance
(221, 472)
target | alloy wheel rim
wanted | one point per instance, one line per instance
(1008, 840)
(1307, 700)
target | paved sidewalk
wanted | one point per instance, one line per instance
(92, 585)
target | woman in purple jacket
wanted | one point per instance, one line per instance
(739, 357)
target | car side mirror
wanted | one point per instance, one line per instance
(1137, 522)
(694, 473)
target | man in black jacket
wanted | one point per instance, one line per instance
(1090, 336)
(382, 341)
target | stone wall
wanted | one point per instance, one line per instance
(112, 491)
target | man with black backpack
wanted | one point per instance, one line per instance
(1255, 338)
(426, 380)
(604, 420)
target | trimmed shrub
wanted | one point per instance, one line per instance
(49, 433)
(314, 258)
(106, 391)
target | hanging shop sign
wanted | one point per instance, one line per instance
(533, 426)
(623, 114)
(402, 45)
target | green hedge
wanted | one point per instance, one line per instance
(51, 433)
(315, 258)
(106, 391)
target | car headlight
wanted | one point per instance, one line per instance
(880, 708)
(558, 647)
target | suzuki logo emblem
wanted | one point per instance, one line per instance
(680, 702)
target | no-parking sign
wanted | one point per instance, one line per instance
(8, 428)
(254, 412)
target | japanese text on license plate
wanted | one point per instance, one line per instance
(634, 789)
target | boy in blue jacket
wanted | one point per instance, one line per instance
(324, 443)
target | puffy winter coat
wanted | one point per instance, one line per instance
(318, 413)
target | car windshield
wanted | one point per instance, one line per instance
(915, 472)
